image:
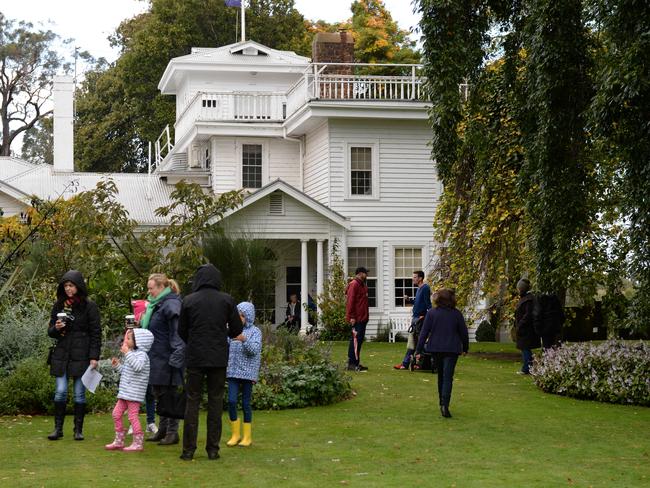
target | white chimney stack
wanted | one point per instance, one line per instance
(63, 123)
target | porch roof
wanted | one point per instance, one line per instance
(280, 185)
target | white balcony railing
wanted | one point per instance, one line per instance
(232, 107)
(326, 81)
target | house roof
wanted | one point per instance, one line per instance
(10, 167)
(232, 57)
(293, 192)
(140, 194)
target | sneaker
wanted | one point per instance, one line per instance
(130, 431)
(523, 373)
(399, 366)
(151, 428)
(361, 367)
(352, 367)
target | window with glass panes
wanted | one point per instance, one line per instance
(252, 166)
(407, 260)
(366, 257)
(361, 171)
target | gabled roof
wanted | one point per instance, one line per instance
(241, 56)
(296, 194)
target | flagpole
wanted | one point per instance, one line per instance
(243, 22)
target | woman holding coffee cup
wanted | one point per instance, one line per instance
(74, 323)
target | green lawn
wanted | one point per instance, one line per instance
(504, 433)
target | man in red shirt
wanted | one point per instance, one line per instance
(356, 314)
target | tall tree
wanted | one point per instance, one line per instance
(28, 62)
(120, 108)
(38, 142)
(620, 115)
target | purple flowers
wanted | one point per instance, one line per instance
(614, 371)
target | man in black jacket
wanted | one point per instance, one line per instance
(208, 318)
(527, 338)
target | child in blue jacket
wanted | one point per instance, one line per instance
(243, 371)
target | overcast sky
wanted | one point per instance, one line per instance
(89, 22)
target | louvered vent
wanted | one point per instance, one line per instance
(276, 204)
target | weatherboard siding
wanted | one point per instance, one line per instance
(316, 164)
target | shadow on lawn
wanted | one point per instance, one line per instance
(497, 356)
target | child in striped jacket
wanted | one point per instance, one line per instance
(134, 370)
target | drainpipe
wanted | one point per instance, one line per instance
(301, 149)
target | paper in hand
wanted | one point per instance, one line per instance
(91, 379)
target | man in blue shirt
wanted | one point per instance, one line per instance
(421, 304)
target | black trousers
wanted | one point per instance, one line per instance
(446, 364)
(216, 380)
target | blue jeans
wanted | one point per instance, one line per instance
(527, 359)
(246, 386)
(354, 357)
(446, 365)
(61, 391)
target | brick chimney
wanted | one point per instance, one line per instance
(334, 47)
(63, 123)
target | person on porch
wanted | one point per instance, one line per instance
(292, 320)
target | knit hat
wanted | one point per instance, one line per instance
(247, 309)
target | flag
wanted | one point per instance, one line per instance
(233, 3)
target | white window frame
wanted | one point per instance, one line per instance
(377, 277)
(411, 245)
(240, 161)
(373, 144)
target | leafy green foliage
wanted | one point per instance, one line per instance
(248, 268)
(332, 302)
(297, 372)
(486, 332)
(24, 332)
(38, 142)
(192, 214)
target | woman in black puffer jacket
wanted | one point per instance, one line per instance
(78, 344)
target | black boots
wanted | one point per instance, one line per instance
(444, 410)
(59, 417)
(79, 413)
(169, 439)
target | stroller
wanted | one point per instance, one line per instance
(425, 363)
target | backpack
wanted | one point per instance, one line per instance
(548, 315)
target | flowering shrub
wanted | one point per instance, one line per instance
(614, 371)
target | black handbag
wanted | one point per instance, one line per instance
(171, 403)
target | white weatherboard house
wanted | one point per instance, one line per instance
(323, 151)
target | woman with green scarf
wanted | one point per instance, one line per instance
(167, 353)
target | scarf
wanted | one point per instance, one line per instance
(144, 322)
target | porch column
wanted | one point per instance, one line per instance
(319, 271)
(304, 287)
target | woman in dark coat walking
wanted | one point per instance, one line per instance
(78, 344)
(444, 334)
(167, 353)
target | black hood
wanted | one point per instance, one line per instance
(75, 277)
(207, 276)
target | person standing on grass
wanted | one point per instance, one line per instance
(421, 305)
(527, 338)
(134, 378)
(356, 314)
(445, 335)
(243, 371)
(74, 323)
(167, 352)
(208, 318)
